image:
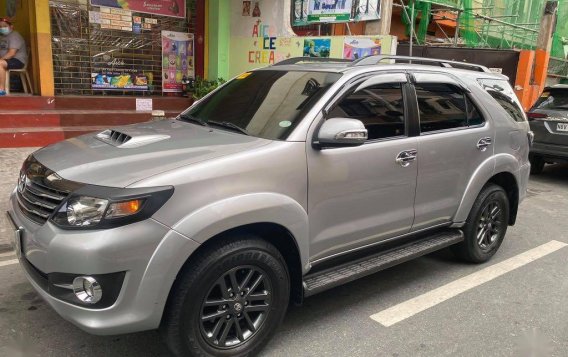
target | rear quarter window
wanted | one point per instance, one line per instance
(553, 99)
(503, 94)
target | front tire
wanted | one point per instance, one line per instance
(486, 226)
(228, 301)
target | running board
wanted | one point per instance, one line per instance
(335, 276)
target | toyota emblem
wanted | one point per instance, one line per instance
(22, 182)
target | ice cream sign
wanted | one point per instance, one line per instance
(265, 45)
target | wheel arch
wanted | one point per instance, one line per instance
(508, 182)
(274, 233)
(498, 170)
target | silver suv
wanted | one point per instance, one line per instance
(284, 182)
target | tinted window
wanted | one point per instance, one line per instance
(444, 106)
(553, 99)
(502, 92)
(267, 103)
(473, 115)
(441, 107)
(379, 107)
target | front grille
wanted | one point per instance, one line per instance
(40, 191)
(39, 202)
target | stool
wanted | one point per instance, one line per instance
(24, 77)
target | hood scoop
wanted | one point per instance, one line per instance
(126, 141)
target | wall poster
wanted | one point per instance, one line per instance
(358, 47)
(110, 73)
(177, 60)
(173, 8)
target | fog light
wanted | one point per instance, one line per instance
(87, 289)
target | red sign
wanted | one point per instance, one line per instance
(173, 8)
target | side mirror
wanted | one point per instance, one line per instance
(340, 132)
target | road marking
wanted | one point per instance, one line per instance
(8, 262)
(7, 254)
(427, 300)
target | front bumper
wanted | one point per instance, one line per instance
(148, 252)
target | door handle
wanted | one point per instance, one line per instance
(483, 143)
(404, 158)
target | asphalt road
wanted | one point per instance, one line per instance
(522, 312)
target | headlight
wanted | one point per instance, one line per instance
(118, 207)
(85, 211)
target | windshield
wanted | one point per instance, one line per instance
(553, 99)
(267, 103)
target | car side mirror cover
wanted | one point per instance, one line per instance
(341, 132)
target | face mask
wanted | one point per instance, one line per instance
(4, 31)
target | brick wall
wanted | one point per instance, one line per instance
(79, 47)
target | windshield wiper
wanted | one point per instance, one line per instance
(229, 125)
(191, 118)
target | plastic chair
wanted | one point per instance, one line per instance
(24, 77)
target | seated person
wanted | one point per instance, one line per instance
(13, 52)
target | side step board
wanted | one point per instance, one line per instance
(335, 276)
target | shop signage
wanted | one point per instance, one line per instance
(173, 8)
(316, 11)
(115, 74)
(177, 60)
(329, 10)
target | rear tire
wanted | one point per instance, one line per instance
(537, 164)
(228, 301)
(486, 226)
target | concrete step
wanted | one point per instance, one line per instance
(120, 103)
(48, 118)
(27, 121)
(41, 136)
(26, 103)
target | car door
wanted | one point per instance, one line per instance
(361, 195)
(455, 139)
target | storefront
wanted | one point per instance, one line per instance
(110, 47)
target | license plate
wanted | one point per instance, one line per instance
(562, 126)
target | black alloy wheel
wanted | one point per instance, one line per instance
(228, 300)
(236, 306)
(486, 225)
(490, 225)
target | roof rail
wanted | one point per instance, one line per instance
(295, 60)
(373, 60)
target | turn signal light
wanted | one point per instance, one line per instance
(125, 208)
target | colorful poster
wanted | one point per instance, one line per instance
(124, 79)
(358, 47)
(329, 10)
(317, 47)
(173, 8)
(177, 60)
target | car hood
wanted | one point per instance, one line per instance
(152, 148)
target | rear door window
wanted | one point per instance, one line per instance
(445, 107)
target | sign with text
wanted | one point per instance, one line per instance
(111, 73)
(173, 8)
(307, 12)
